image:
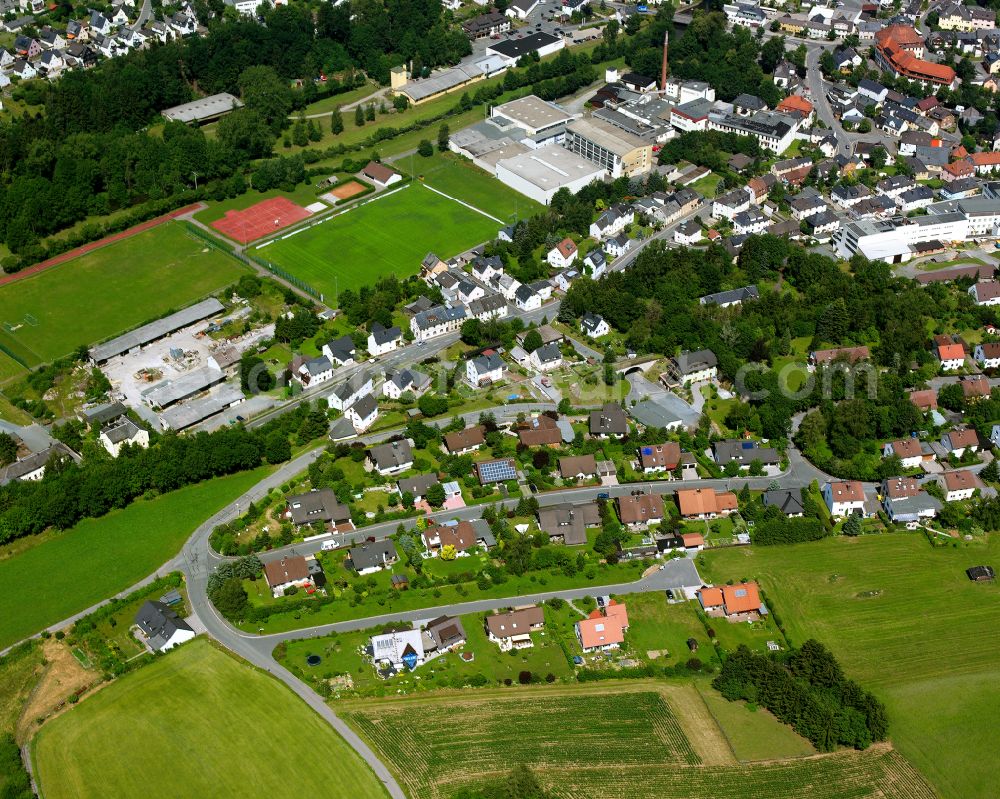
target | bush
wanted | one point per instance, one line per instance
(524, 677)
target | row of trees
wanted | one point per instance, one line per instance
(70, 492)
(806, 689)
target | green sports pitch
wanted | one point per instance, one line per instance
(389, 234)
(108, 291)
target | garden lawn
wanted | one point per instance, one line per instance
(460, 178)
(184, 710)
(100, 557)
(905, 621)
(389, 234)
(110, 290)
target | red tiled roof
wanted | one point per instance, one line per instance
(948, 352)
(925, 399)
(741, 598)
(796, 103)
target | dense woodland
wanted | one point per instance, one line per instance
(807, 689)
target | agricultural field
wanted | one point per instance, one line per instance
(108, 291)
(627, 740)
(71, 570)
(183, 710)
(903, 620)
(389, 234)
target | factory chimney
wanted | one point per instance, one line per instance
(663, 71)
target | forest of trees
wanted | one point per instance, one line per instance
(806, 689)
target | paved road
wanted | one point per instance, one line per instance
(144, 14)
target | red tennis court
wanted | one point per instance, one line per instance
(260, 220)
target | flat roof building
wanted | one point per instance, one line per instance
(616, 150)
(533, 115)
(540, 174)
(203, 110)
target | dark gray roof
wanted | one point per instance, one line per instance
(102, 414)
(418, 484)
(371, 553)
(744, 451)
(788, 502)
(391, 455)
(610, 420)
(365, 406)
(156, 330)
(688, 362)
(159, 623)
(733, 295)
(589, 321)
(383, 335)
(548, 353)
(316, 506)
(122, 430)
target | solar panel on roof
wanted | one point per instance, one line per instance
(647, 450)
(741, 592)
(495, 471)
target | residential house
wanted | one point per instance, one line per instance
(844, 497)
(371, 556)
(489, 306)
(926, 399)
(705, 503)
(498, 470)
(460, 535)
(363, 413)
(659, 457)
(743, 452)
(951, 356)
(446, 633)
(609, 422)
(383, 339)
(563, 254)
(732, 600)
(567, 522)
(975, 387)
(512, 629)
(726, 299)
(546, 358)
(694, 367)
(688, 233)
(789, 502)
(462, 442)
(405, 380)
(392, 457)
(987, 354)
(579, 467)
(957, 442)
(597, 263)
(985, 292)
(120, 433)
(905, 502)
(851, 355)
(161, 627)
(286, 572)
(604, 629)
(908, 450)
(395, 651)
(594, 325)
(314, 371)
(959, 484)
(527, 299)
(436, 321)
(484, 369)
(350, 391)
(542, 431)
(640, 510)
(317, 506)
(729, 205)
(612, 222)
(340, 351)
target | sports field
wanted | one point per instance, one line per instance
(109, 291)
(905, 621)
(197, 722)
(609, 740)
(389, 234)
(100, 557)
(460, 178)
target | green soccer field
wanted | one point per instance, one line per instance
(387, 235)
(461, 178)
(110, 290)
(906, 622)
(197, 723)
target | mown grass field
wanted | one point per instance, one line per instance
(904, 620)
(608, 740)
(97, 558)
(109, 291)
(197, 723)
(387, 235)
(460, 178)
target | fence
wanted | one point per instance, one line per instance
(249, 259)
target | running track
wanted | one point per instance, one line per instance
(94, 245)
